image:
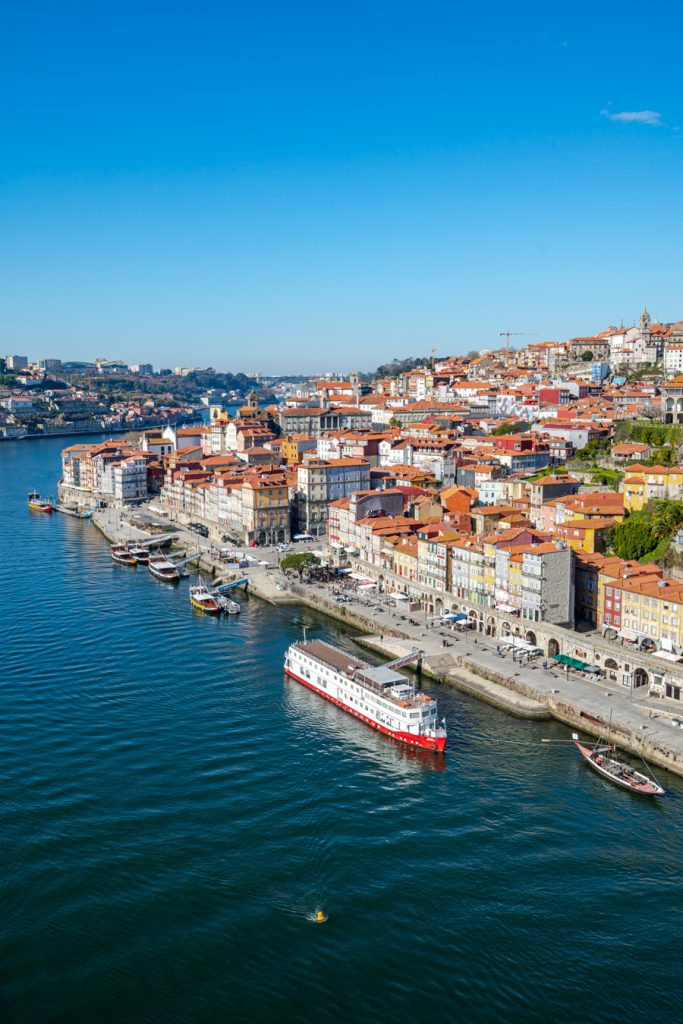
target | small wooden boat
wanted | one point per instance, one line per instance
(203, 600)
(602, 760)
(38, 504)
(121, 554)
(163, 568)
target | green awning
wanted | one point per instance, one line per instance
(565, 659)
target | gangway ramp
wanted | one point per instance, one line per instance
(243, 582)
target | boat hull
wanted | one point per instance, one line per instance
(38, 507)
(122, 559)
(159, 574)
(142, 558)
(644, 788)
(436, 744)
(209, 608)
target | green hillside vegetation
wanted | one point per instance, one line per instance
(646, 535)
(520, 427)
(397, 366)
(648, 432)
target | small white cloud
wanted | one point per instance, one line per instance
(634, 116)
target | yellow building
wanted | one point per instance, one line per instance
(587, 535)
(265, 508)
(645, 483)
(292, 448)
(651, 607)
(405, 558)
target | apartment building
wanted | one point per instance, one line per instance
(644, 483)
(321, 481)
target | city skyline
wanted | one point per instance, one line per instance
(286, 190)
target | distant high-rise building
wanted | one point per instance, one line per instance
(110, 365)
(16, 362)
(146, 369)
(50, 365)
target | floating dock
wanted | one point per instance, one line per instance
(74, 512)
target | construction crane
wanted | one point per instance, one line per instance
(512, 334)
(433, 355)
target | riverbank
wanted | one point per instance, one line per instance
(473, 666)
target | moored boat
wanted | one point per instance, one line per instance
(121, 554)
(163, 568)
(203, 600)
(379, 696)
(601, 759)
(140, 553)
(229, 607)
(38, 504)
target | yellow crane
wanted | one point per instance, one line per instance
(513, 334)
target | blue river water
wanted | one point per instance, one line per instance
(172, 809)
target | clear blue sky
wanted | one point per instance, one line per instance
(304, 186)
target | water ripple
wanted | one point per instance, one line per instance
(172, 809)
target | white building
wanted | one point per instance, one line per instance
(673, 358)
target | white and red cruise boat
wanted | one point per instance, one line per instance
(378, 695)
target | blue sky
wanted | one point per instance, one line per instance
(314, 186)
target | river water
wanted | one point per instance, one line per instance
(172, 808)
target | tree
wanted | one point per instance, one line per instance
(665, 517)
(587, 356)
(398, 366)
(473, 354)
(632, 538)
(511, 428)
(394, 422)
(301, 563)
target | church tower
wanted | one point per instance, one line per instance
(645, 325)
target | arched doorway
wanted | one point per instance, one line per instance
(473, 617)
(531, 637)
(505, 629)
(438, 606)
(490, 626)
(611, 669)
(553, 648)
(640, 678)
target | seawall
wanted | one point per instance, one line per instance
(504, 691)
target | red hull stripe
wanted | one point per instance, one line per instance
(426, 742)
